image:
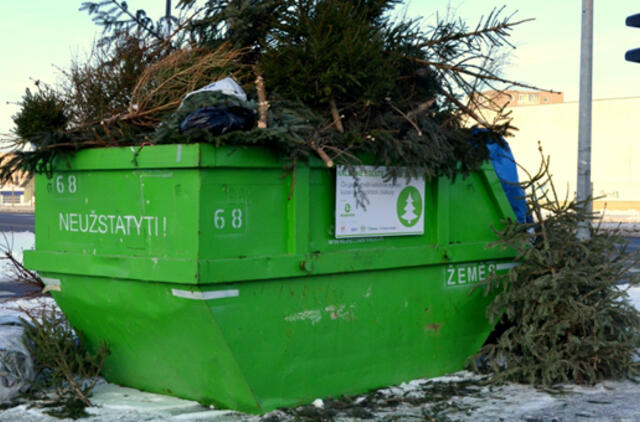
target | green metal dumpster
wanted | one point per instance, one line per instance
(212, 279)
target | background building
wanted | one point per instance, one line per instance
(515, 98)
(615, 152)
(19, 192)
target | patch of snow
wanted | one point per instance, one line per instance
(113, 403)
(634, 296)
(19, 308)
(207, 415)
(455, 377)
(16, 242)
(510, 402)
(114, 397)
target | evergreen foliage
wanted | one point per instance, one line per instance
(565, 317)
(62, 361)
(116, 18)
(343, 81)
(102, 86)
(42, 112)
(244, 23)
(334, 50)
(40, 126)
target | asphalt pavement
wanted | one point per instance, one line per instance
(16, 222)
(12, 290)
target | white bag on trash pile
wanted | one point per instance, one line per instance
(16, 363)
(227, 86)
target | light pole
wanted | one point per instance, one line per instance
(584, 125)
(167, 16)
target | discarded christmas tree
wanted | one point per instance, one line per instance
(565, 316)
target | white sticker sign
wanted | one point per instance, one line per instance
(389, 210)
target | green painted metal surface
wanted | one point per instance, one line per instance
(208, 283)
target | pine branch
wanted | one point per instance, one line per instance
(465, 109)
(482, 76)
(107, 19)
(499, 28)
(179, 29)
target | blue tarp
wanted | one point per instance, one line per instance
(505, 167)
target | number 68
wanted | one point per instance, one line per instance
(71, 186)
(236, 218)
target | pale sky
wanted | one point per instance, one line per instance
(38, 35)
(548, 49)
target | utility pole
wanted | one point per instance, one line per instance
(167, 15)
(584, 129)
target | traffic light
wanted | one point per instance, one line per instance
(633, 55)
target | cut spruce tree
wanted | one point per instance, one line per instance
(564, 311)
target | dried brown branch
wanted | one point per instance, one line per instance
(343, 152)
(466, 109)
(337, 118)
(164, 84)
(407, 118)
(323, 155)
(420, 109)
(263, 105)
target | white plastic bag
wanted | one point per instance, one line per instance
(16, 364)
(227, 86)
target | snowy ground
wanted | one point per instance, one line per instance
(17, 242)
(458, 397)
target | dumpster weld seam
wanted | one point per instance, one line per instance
(217, 294)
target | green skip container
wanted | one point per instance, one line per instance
(213, 279)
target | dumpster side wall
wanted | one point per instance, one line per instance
(158, 341)
(99, 218)
(260, 345)
(215, 275)
(241, 217)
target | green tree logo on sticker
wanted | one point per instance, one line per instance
(409, 206)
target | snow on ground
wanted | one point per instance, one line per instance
(456, 397)
(634, 296)
(17, 243)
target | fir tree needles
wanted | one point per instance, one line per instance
(564, 314)
(337, 79)
(62, 360)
